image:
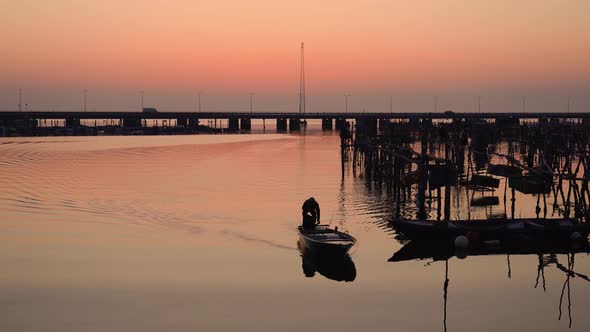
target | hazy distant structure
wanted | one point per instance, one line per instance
(85, 91)
(346, 95)
(302, 83)
(141, 92)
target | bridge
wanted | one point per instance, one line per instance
(12, 115)
(242, 120)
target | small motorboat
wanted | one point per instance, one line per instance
(323, 239)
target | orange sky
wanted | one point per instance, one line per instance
(371, 48)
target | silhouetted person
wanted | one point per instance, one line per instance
(311, 213)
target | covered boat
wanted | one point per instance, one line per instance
(326, 240)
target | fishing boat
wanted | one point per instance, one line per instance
(492, 229)
(323, 239)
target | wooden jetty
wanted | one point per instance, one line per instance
(422, 161)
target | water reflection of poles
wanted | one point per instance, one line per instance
(541, 273)
(445, 288)
(346, 95)
(85, 91)
(566, 284)
(422, 172)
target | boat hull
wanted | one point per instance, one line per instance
(309, 242)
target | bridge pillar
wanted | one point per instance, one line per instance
(131, 122)
(294, 124)
(341, 123)
(366, 126)
(181, 121)
(384, 124)
(281, 124)
(327, 124)
(233, 124)
(246, 124)
(193, 122)
(72, 122)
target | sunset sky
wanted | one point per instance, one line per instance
(372, 49)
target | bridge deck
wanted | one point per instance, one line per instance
(279, 115)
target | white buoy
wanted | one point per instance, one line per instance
(461, 242)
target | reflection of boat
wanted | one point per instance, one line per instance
(484, 181)
(530, 184)
(415, 250)
(496, 229)
(547, 254)
(485, 201)
(504, 170)
(332, 266)
(327, 240)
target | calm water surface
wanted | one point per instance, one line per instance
(198, 233)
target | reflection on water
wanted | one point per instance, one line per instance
(547, 256)
(197, 234)
(331, 266)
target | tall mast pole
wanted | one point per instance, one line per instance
(479, 104)
(346, 95)
(390, 104)
(435, 104)
(85, 91)
(141, 93)
(302, 83)
(20, 101)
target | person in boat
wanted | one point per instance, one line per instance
(311, 213)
